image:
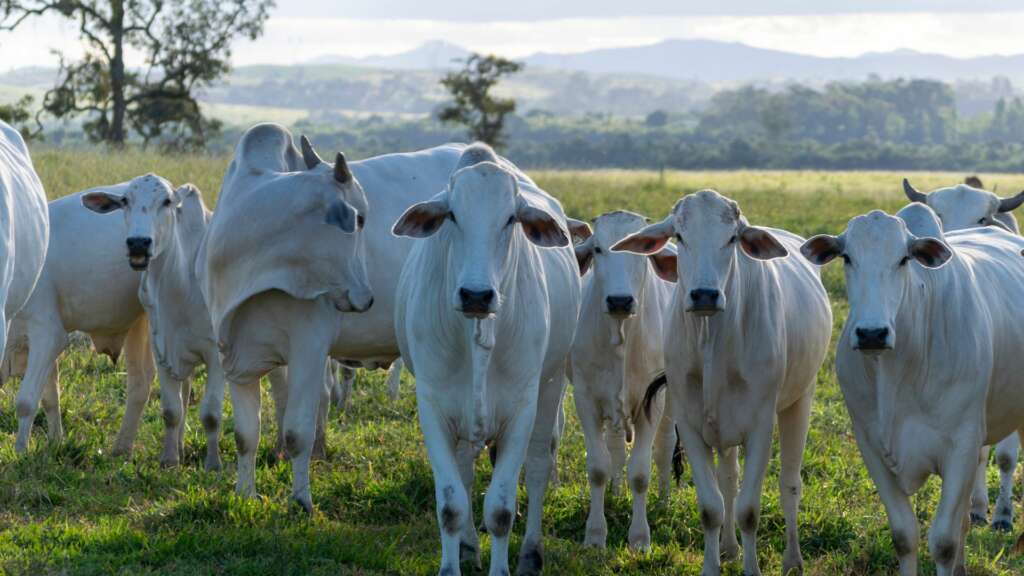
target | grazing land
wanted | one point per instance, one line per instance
(72, 509)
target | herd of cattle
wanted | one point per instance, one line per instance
(492, 297)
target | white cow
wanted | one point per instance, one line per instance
(24, 227)
(487, 305)
(929, 364)
(617, 352)
(961, 207)
(86, 285)
(341, 386)
(163, 229)
(748, 331)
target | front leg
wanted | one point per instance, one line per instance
(212, 408)
(449, 491)
(500, 501)
(639, 474)
(173, 411)
(598, 463)
(793, 424)
(306, 364)
(1006, 458)
(945, 538)
(245, 399)
(758, 451)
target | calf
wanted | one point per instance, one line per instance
(618, 349)
(747, 332)
(929, 364)
(486, 308)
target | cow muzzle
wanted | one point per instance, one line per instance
(873, 339)
(476, 303)
(622, 306)
(139, 252)
(705, 302)
(357, 301)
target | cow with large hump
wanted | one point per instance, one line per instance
(86, 287)
(24, 234)
(487, 305)
(616, 353)
(746, 334)
(929, 364)
(969, 206)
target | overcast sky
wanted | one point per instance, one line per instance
(301, 30)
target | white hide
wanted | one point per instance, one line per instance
(947, 380)
(614, 357)
(498, 376)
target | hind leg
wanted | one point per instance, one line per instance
(395, 378)
(245, 398)
(51, 406)
(979, 496)
(46, 342)
(211, 409)
(278, 379)
(793, 424)
(1006, 457)
(138, 363)
(664, 450)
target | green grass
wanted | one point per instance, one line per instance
(71, 509)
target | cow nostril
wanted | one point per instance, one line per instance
(476, 297)
(620, 303)
(872, 337)
(704, 296)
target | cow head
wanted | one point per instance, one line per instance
(876, 249)
(479, 214)
(150, 208)
(619, 275)
(709, 230)
(965, 206)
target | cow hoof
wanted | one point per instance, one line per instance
(596, 540)
(792, 568)
(1002, 526)
(978, 519)
(167, 462)
(729, 550)
(213, 463)
(305, 503)
(469, 554)
(640, 541)
(531, 560)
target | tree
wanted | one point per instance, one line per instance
(656, 119)
(185, 44)
(473, 104)
(18, 114)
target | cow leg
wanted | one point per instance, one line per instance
(343, 390)
(140, 368)
(979, 497)
(598, 465)
(515, 444)
(793, 424)
(306, 362)
(245, 399)
(172, 402)
(945, 536)
(278, 379)
(394, 378)
(709, 497)
(211, 409)
(556, 440)
(51, 406)
(728, 484)
(639, 475)
(539, 462)
(449, 491)
(45, 345)
(757, 452)
(320, 439)
(615, 439)
(1006, 457)
(664, 450)
(469, 546)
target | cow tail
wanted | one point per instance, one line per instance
(652, 392)
(678, 462)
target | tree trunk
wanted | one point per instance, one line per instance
(116, 136)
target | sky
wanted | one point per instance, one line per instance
(300, 30)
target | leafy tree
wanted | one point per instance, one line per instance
(656, 119)
(18, 114)
(474, 106)
(186, 46)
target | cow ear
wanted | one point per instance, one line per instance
(540, 227)
(647, 240)
(584, 256)
(342, 215)
(578, 229)
(760, 244)
(665, 264)
(102, 202)
(822, 249)
(421, 220)
(930, 252)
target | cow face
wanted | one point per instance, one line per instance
(876, 249)
(620, 276)
(709, 230)
(963, 206)
(480, 214)
(150, 206)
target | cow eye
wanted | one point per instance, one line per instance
(511, 220)
(167, 202)
(983, 221)
(904, 261)
(597, 250)
(360, 221)
(846, 259)
(451, 216)
(733, 239)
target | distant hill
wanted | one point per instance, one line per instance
(433, 55)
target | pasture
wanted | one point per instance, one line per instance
(72, 509)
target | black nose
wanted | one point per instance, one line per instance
(620, 304)
(872, 338)
(137, 245)
(704, 299)
(476, 301)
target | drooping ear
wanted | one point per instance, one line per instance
(585, 255)
(760, 244)
(342, 215)
(579, 229)
(647, 240)
(422, 220)
(822, 249)
(665, 263)
(103, 202)
(929, 252)
(541, 228)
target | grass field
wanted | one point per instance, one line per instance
(72, 509)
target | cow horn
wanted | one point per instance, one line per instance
(341, 172)
(913, 194)
(1009, 204)
(309, 155)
